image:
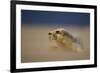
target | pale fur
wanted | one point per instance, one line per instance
(63, 39)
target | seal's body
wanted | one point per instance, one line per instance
(63, 39)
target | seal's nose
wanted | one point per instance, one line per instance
(49, 33)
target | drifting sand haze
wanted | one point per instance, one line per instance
(36, 47)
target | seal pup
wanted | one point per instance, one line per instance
(63, 39)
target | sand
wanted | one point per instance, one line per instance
(36, 47)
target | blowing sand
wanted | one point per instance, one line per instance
(35, 45)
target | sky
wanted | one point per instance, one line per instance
(48, 18)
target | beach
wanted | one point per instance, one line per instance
(36, 47)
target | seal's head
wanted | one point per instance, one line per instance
(56, 34)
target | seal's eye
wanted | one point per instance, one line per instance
(49, 33)
(57, 32)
